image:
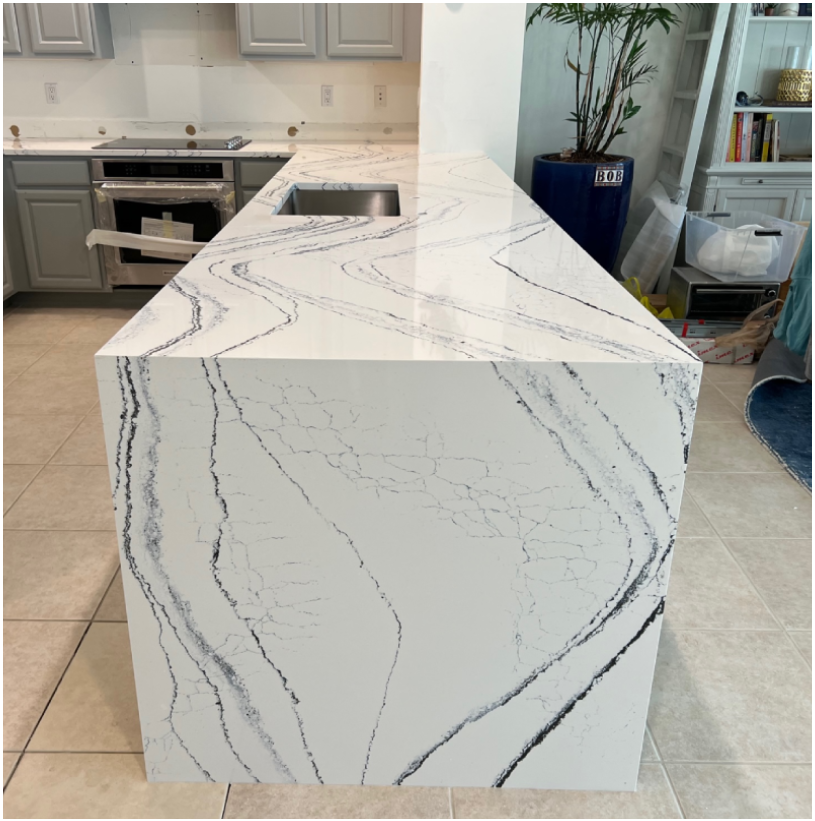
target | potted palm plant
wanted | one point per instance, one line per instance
(586, 189)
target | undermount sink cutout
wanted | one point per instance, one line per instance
(316, 201)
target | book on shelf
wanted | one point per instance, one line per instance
(754, 137)
(768, 130)
(746, 136)
(739, 135)
(731, 152)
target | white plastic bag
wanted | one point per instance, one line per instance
(650, 236)
(738, 250)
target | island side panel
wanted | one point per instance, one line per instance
(417, 573)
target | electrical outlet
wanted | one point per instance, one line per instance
(327, 96)
(51, 94)
(380, 96)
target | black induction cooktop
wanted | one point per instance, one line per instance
(158, 143)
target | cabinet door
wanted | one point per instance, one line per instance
(277, 29)
(60, 28)
(775, 202)
(246, 195)
(802, 207)
(54, 225)
(11, 31)
(8, 280)
(365, 29)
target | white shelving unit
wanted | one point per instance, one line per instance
(752, 58)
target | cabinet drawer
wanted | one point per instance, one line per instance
(257, 174)
(51, 172)
(774, 182)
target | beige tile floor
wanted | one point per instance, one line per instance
(730, 721)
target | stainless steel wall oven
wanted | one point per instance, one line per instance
(187, 199)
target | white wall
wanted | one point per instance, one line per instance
(547, 97)
(177, 65)
(471, 79)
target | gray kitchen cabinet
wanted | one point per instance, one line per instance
(277, 29)
(57, 30)
(11, 31)
(802, 206)
(245, 195)
(8, 279)
(253, 175)
(365, 29)
(54, 224)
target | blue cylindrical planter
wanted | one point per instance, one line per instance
(589, 201)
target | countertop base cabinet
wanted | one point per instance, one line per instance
(54, 224)
(8, 279)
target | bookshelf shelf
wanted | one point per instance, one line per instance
(752, 54)
(777, 21)
(771, 109)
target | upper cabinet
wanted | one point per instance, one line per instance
(78, 30)
(329, 31)
(11, 31)
(365, 29)
(58, 28)
(281, 29)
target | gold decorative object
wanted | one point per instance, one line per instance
(795, 85)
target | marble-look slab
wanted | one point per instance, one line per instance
(397, 497)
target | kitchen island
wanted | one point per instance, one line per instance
(396, 496)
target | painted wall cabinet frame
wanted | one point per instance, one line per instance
(277, 29)
(329, 31)
(57, 30)
(11, 30)
(365, 29)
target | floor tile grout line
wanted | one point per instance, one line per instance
(754, 586)
(747, 763)
(450, 802)
(25, 488)
(673, 789)
(56, 687)
(653, 744)
(722, 540)
(74, 621)
(226, 800)
(740, 407)
(65, 670)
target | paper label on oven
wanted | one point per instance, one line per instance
(167, 229)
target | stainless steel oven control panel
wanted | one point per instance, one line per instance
(152, 168)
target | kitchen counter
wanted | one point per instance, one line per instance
(70, 147)
(396, 497)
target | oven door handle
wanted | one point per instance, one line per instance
(165, 191)
(753, 291)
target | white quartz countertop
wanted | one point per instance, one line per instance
(69, 147)
(471, 270)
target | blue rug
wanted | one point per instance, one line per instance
(779, 412)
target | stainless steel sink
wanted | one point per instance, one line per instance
(321, 202)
